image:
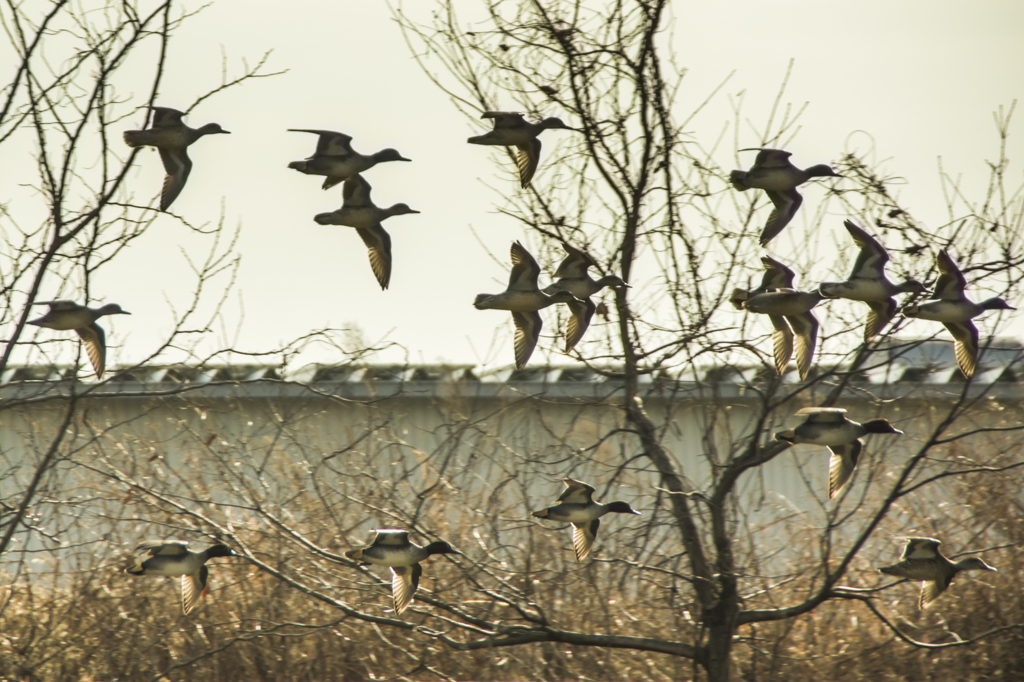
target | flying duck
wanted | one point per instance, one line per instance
(512, 130)
(358, 211)
(576, 506)
(829, 426)
(391, 547)
(923, 561)
(869, 284)
(524, 299)
(572, 276)
(773, 172)
(335, 158)
(955, 311)
(172, 137)
(68, 315)
(172, 558)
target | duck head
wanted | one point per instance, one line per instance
(219, 550)
(822, 170)
(974, 564)
(112, 309)
(398, 209)
(440, 547)
(213, 129)
(621, 508)
(996, 304)
(389, 155)
(613, 281)
(880, 426)
(554, 122)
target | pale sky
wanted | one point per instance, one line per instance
(921, 77)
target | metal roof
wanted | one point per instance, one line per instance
(918, 364)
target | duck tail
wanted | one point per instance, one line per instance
(786, 436)
(738, 179)
(137, 569)
(132, 138)
(738, 298)
(480, 302)
(542, 514)
(297, 165)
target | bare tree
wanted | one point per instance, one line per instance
(651, 204)
(673, 408)
(71, 216)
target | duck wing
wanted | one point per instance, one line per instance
(772, 158)
(193, 587)
(881, 313)
(167, 547)
(786, 205)
(583, 535)
(930, 591)
(378, 244)
(528, 326)
(525, 270)
(527, 158)
(576, 492)
(777, 275)
(805, 332)
(575, 264)
(59, 305)
(921, 548)
(178, 166)
(871, 260)
(390, 536)
(965, 345)
(95, 342)
(355, 193)
(951, 283)
(841, 465)
(782, 342)
(404, 581)
(165, 117)
(505, 119)
(330, 142)
(579, 321)
(738, 179)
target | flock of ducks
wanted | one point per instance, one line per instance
(789, 310)
(796, 327)
(336, 160)
(390, 547)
